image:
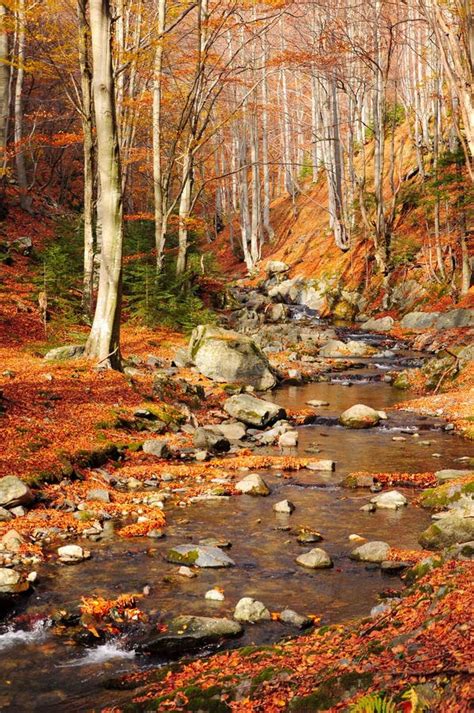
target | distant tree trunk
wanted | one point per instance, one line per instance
(4, 104)
(381, 255)
(88, 156)
(104, 339)
(159, 194)
(184, 209)
(25, 197)
(267, 225)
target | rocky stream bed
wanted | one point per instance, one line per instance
(263, 537)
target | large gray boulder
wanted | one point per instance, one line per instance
(13, 492)
(186, 634)
(252, 411)
(418, 321)
(452, 474)
(230, 357)
(359, 416)
(451, 529)
(199, 556)
(390, 500)
(455, 318)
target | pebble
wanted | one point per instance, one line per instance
(186, 572)
(284, 506)
(356, 538)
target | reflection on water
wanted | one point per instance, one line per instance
(37, 666)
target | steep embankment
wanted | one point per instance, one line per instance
(304, 241)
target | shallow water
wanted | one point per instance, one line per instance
(41, 672)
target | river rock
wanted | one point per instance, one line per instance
(11, 581)
(199, 556)
(70, 554)
(418, 321)
(11, 541)
(233, 431)
(186, 634)
(214, 595)
(316, 403)
(306, 537)
(71, 351)
(253, 411)
(5, 515)
(14, 491)
(455, 318)
(360, 416)
(251, 610)
(157, 447)
(288, 439)
(375, 551)
(315, 559)
(288, 616)
(276, 267)
(184, 571)
(227, 356)
(211, 439)
(454, 528)
(284, 506)
(276, 312)
(253, 484)
(379, 324)
(321, 465)
(391, 500)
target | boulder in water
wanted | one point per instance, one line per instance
(253, 411)
(199, 556)
(359, 416)
(375, 551)
(13, 492)
(251, 610)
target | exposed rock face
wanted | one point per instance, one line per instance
(186, 634)
(13, 492)
(72, 351)
(360, 416)
(252, 411)
(452, 528)
(233, 431)
(199, 556)
(452, 474)
(288, 616)
(315, 559)
(251, 610)
(375, 551)
(335, 348)
(227, 356)
(253, 484)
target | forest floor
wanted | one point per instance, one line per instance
(64, 418)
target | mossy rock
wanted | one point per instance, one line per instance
(331, 692)
(402, 381)
(447, 493)
(96, 457)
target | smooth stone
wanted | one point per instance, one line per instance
(359, 416)
(326, 465)
(211, 439)
(288, 439)
(390, 500)
(184, 571)
(70, 554)
(394, 566)
(369, 507)
(316, 403)
(5, 515)
(288, 616)
(306, 537)
(199, 556)
(12, 541)
(233, 431)
(251, 610)
(454, 528)
(375, 551)
(253, 411)
(253, 484)
(14, 491)
(284, 506)
(214, 595)
(186, 634)
(452, 474)
(11, 582)
(315, 559)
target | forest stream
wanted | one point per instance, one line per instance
(51, 670)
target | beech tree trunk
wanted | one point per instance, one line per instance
(104, 339)
(21, 175)
(158, 192)
(4, 89)
(88, 155)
